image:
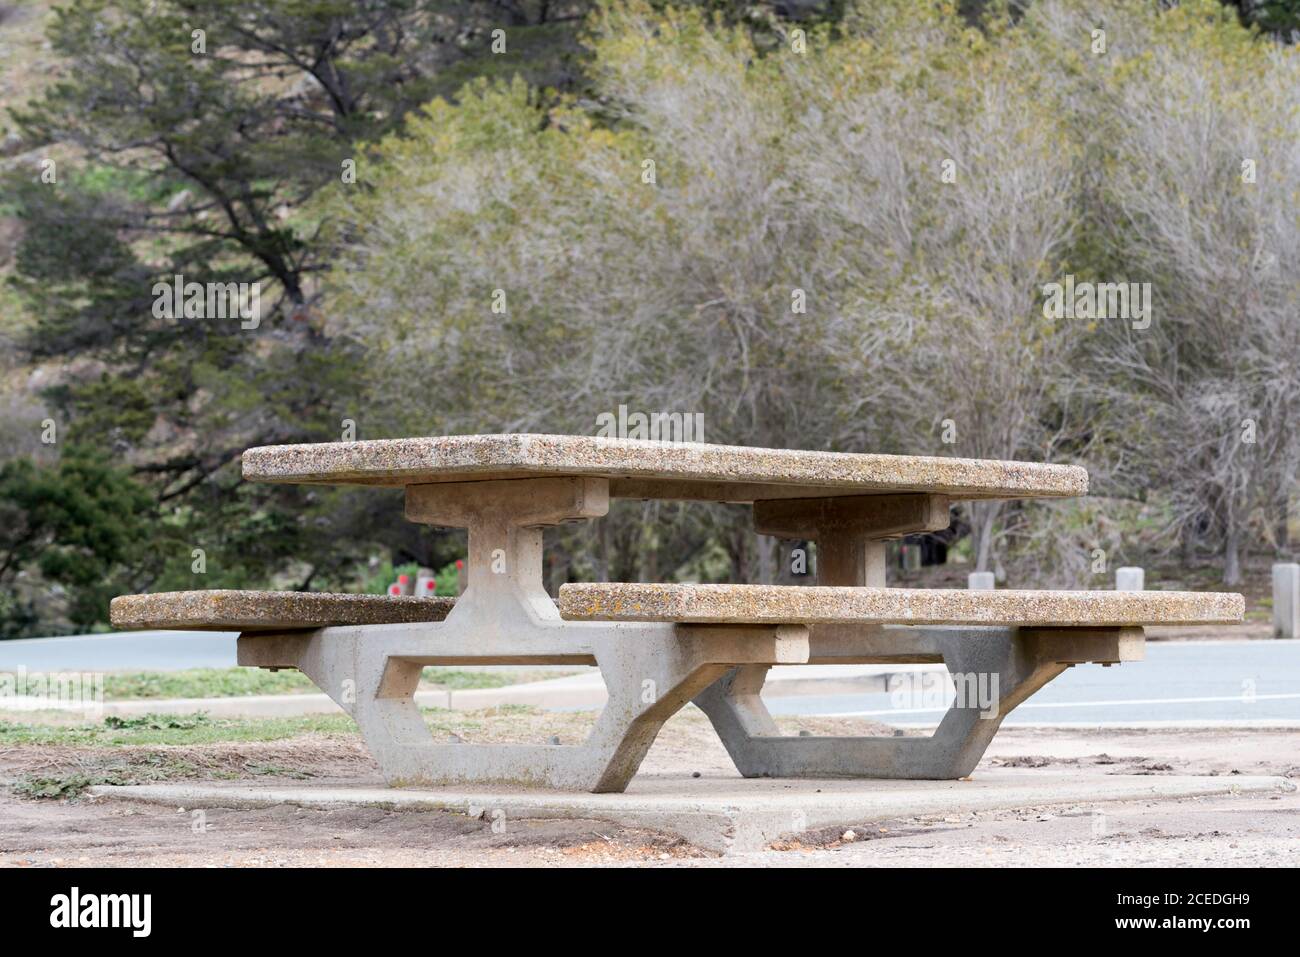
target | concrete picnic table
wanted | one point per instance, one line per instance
(660, 646)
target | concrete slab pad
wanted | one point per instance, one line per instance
(725, 814)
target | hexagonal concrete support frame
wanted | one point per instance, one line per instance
(505, 617)
(994, 669)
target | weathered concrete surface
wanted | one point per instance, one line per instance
(724, 814)
(656, 469)
(904, 606)
(230, 610)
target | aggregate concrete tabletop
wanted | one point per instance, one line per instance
(644, 469)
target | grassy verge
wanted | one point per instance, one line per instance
(150, 748)
(170, 729)
(61, 760)
(241, 682)
(204, 683)
(63, 756)
(196, 730)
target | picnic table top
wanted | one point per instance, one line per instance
(642, 469)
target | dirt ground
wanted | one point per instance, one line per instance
(1247, 830)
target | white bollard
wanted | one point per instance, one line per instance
(1286, 600)
(426, 585)
(911, 557)
(1130, 579)
(980, 581)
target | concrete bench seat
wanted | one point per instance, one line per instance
(270, 611)
(1012, 641)
(898, 606)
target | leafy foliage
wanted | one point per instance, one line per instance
(75, 522)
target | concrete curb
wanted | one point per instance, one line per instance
(726, 815)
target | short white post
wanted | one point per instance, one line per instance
(911, 557)
(425, 584)
(1286, 600)
(980, 581)
(1130, 579)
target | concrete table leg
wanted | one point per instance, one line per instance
(1006, 664)
(995, 666)
(506, 617)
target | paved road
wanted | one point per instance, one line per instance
(133, 651)
(1201, 681)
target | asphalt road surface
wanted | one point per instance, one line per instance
(126, 651)
(1194, 681)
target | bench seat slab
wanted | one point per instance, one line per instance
(250, 611)
(896, 606)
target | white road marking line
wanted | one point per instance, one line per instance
(1242, 699)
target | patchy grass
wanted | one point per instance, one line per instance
(170, 729)
(458, 680)
(38, 787)
(205, 683)
(242, 682)
(70, 777)
(170, 736)
(61, 760)
(202, 729)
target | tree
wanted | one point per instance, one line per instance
(76, 522)
(764, 238)
(190, 135)
(1200, 201)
